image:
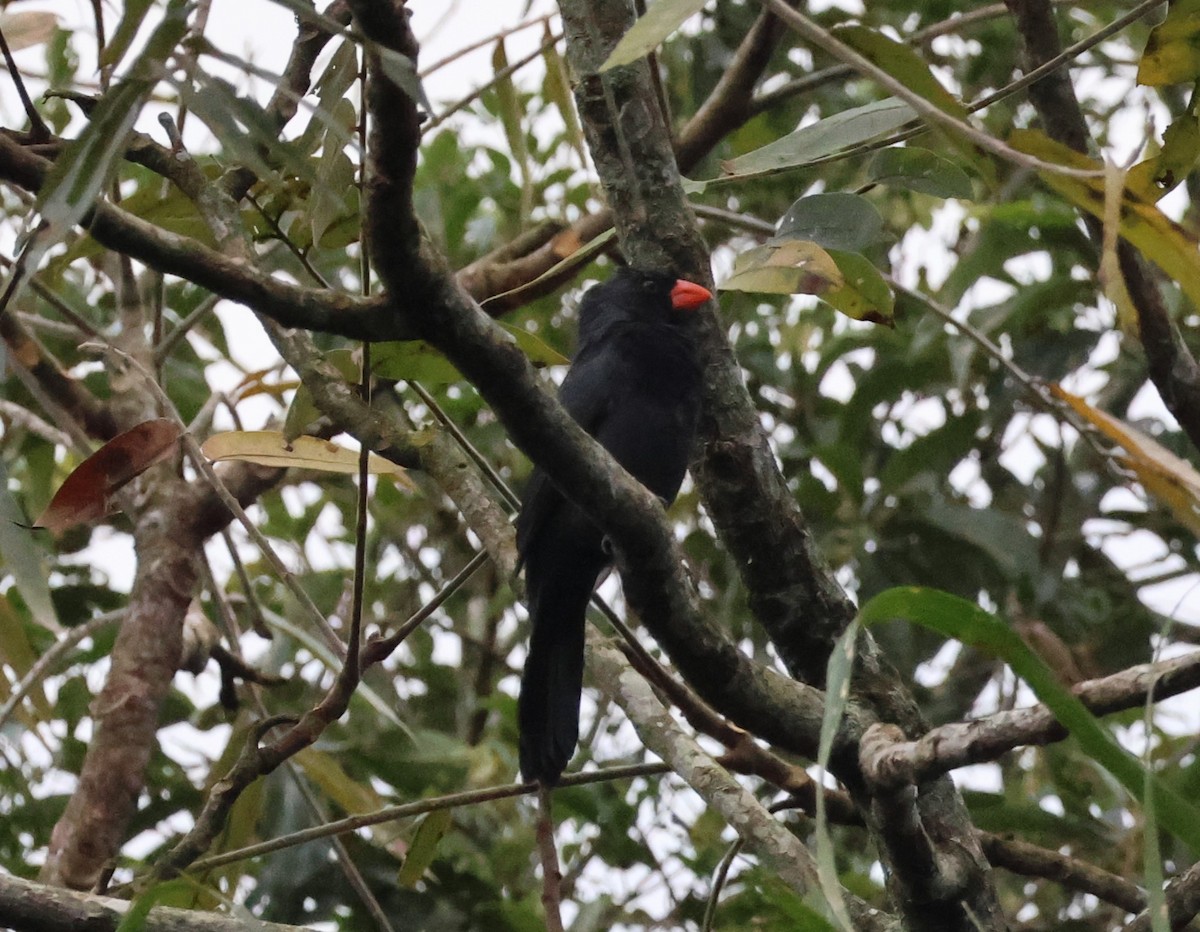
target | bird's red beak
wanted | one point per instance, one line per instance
(686, 296)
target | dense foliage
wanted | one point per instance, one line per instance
(963, 434)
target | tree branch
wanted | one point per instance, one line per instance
(890, 764)
(290, 305)
(31, 907)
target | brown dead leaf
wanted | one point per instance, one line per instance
(87, 493)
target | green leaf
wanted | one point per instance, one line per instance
(837, 695)
(920, 170)
(402, 71)
(512, 115)
(792, 267)
(834, 221)
(412, 359)
(864, 293)
(902, 62)
(424, 846)
(556, 89)
(1001, 535)
(22, 556)
(132, 16)
(139, 911)
(303, 411)
(18, 653)
(540, 352)
(336, 178)
(89, 161)
(172, 211)
(1172, 54)
(824, 138)
(965, 621)
(662, 18)
(244, 128)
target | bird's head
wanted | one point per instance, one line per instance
(639, 295)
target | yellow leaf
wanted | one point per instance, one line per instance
(794, 267)
(1160, 239)
(1170, 479)
(269, 448)
(1172, 54)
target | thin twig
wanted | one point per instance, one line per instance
(44, 663)
(39, 130)
(423, 807)
(548, 854)
(497, 77)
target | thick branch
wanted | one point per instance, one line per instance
(792, 592)
(785, 713)
(1028, 860)
(290, 305)
(169, 533)
(891, 764)
(778, 849)
(30, 907)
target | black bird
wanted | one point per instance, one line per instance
(634, 385)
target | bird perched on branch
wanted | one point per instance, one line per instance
(634, 385)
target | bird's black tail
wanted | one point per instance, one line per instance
(548, 709)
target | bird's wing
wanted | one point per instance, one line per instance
(585, 393)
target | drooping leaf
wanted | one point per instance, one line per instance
(556, 88)
(23, 558)
(1172, 480)
(353, 797)
(662, 18)
(402, 71)
(336, 180)
(87, 494)
(837, 691)
(424, 846)
(1166, 243)
(863, 294)
(512, 114)
(133, 15)
(18, 653)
